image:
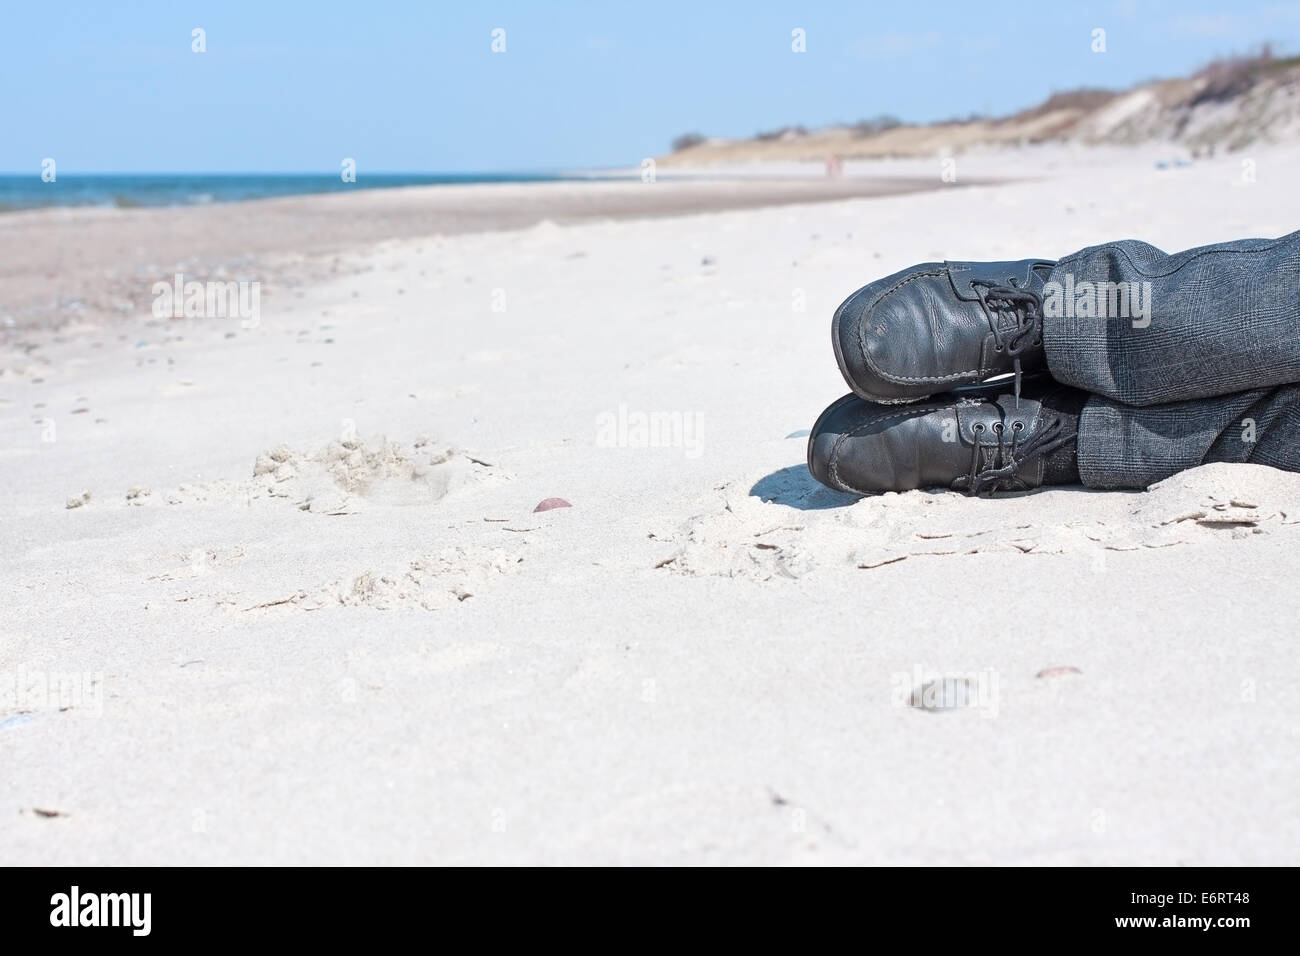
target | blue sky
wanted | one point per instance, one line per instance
(414, 86)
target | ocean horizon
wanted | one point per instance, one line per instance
(144, 190)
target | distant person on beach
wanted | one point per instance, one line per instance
(1115, 367)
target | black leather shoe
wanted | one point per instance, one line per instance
(976, 443)
(941, 325)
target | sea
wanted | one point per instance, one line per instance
(135, 190)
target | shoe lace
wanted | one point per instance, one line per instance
(1025, 307)
(993, 472)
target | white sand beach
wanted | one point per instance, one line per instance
(286, 591)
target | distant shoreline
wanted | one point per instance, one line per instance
(24, 191)
(76, 263)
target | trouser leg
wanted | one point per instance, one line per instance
(1209, 321)
(1124, 446)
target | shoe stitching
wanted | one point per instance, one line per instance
(970, 267)
(860, 338)
(834, 456)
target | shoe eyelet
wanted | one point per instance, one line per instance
(1018, 426)
(978, 428)
(1037, 342)
(997, 428)
(997, 348)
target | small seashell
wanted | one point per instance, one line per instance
(1058, 671)
(550, 504)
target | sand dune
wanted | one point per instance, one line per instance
(1228, 106)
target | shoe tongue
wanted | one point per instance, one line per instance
(962, 274)
(1026, 410)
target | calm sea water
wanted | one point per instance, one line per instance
(151, 189)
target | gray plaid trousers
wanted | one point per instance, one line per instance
(1190, 358)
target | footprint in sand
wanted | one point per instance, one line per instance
(346, 477)
(429, 583)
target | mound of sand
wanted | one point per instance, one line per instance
(788, 526)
